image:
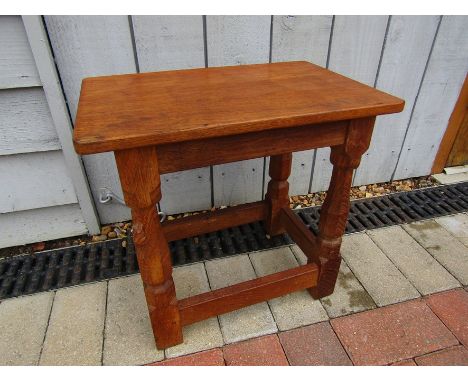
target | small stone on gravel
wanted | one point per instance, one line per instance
(105, 230)
(99, 238)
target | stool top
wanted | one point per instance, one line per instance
(134, 110)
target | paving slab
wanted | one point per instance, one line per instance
(379, 276)
(452, 308)
(252, 321)
(76, 326)
(452, 178)
(455, 356)
(457, 225)
(405, 362)
(128, 338)
(392, 333)
(295, 309)
(212, 357)
(418, 266)
(23, 323)
(261, 351)
(447, 250)
(191, 280)
(348, 297)
(313, 345)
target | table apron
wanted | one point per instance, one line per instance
(205, 152)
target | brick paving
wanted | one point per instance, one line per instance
(393, 333)
(313, 346)
(399, 300)
(456, 356)
(405, 362)
(452, 308)
(212, 357)
(260, 351)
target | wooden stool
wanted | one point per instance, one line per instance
(157, 123)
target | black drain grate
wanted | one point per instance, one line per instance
(64, 267)
(399, 208)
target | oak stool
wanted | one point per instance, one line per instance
(157, 123)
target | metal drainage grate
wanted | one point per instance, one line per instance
(398, 208)
(64, 267)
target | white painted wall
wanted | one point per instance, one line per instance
(300, 38)
(167, 43)
(422, 59)
(238, 40)
(38, 194)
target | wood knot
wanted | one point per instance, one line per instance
(139, 236)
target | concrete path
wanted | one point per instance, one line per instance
(393, 280)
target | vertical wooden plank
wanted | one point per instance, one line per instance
(237, 40)
(238, 182)
(322, 171)
(453, 131)
(439, 91)
(185, 191)
(297, 38)
(459, 153)
(355, 52)
(300, 38)
(407, 48)
(167, 43)
(87, 46)
(58, 111)
(17, 68)
(357, 45)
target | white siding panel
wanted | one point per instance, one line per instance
(238, 182)
(300, 38)
(34, 180)
(24, 227)
(17, 67)
(297, 38)
(186, 191)
(237, 40)
(300, 172)
(101, 170)
(355, 52)
(357, 45)
(167, 43)
(25, 122)
(441, 86)
(407, 48)
(37, 37)
(87, 46)
(322, 170)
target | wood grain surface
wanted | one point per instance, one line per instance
(119, 112)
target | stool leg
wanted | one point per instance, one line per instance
(139, 176)
(277, 195)
(334, 212)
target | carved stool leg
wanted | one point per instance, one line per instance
(139, 176)
(277, 194)
(334, 212)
